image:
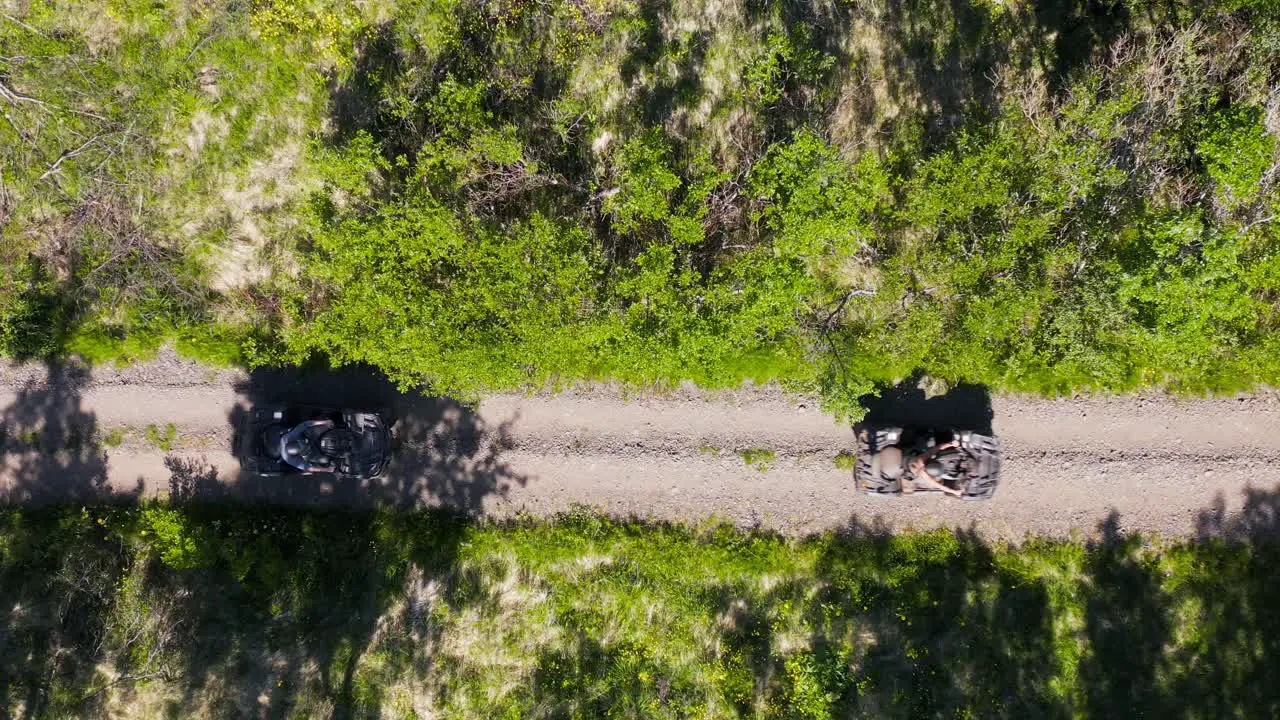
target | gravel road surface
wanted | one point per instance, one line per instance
(1152, 464)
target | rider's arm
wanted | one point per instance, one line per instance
(941, 486)
(302, 463)
(937, 449)
(302, 427)
(917, 467)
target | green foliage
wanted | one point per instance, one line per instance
(817, 203)
(645, 184)
(162, 439)
(353, 173)
(98, 344)
(845, 460)
(1238, 150)
(807, 696)
(214, 345)
(132, 157)
(500, 196)
(33, 317)
(456, 307)
(590, 617)
(115, 437)
(761, 458)
(170, 535)
(785, 62)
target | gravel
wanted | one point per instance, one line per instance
(1148, 463)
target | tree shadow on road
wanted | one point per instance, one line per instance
(318, 612)
(287, 603)
(49, 444)
(257, 601)
(1237, 652)
(58, 580)
(55, 599)
(444, 454)
(1258, 520)
(932, 626)
(335, 560)
(241, 611)
(1128, 624)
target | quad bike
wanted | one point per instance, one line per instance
(308, 439)
(971, 466)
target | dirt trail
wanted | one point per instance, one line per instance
(1152, 464)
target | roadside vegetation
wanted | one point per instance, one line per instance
(1044, 197)
(185, 611)
(761, 458)
(479, 196)
(845, 460)
(161, 438)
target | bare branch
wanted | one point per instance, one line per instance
(857, 292)
(17, 97)
(66, 155)
(23, 25)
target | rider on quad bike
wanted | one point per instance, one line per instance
(277, 440)
(299, 446)
(931, 468)
(895, 460)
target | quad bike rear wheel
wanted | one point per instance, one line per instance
(869, 479)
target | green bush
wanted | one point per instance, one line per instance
(212, 344)
(488, 197)
(646, 185)
(1237, 151)
(115, 437)
(845, 460)
(33, 317)
(589, 617)
(172, 536)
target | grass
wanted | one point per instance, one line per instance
(115, 437)
(70, 436)
(845, 460)
(162, 439)
(761, 458)
(586, 617)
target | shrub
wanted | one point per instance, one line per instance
(178, 542)
(1237, 151)
(33, 315)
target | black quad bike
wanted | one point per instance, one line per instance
(961, 460)
(310, 439)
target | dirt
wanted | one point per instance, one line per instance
(1153, 464)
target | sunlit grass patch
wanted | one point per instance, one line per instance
(161, 438)
(587, 615)
(114, 437)
(760, 458)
